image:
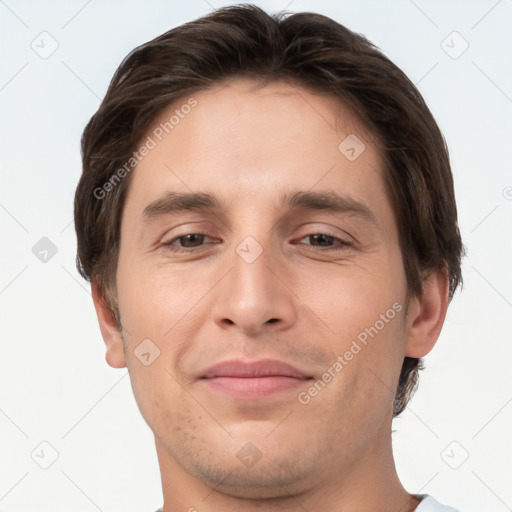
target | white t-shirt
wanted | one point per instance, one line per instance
(429, 504)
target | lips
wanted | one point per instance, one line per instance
(255, 369)
(253, 380)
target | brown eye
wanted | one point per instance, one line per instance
(192, 240)
(326, 241)
(187, 241)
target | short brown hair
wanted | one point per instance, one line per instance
(303, 48)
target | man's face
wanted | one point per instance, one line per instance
(321, 289)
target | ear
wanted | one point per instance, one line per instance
(115, 355)
(426, 314)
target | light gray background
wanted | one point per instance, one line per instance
(55, 386)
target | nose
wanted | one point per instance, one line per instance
(254, 296)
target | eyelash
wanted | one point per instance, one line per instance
(343, 245)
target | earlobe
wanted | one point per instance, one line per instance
(110, 332)
(427, 314)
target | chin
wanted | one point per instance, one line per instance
(262, 483)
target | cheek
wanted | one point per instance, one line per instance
(358, 316)
(153, 301)
(348, 299)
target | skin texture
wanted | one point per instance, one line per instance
(249, 145)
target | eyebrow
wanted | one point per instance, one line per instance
(175, 202)
(329, 201)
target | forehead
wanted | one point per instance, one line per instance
(254, 106)
(251, 140)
